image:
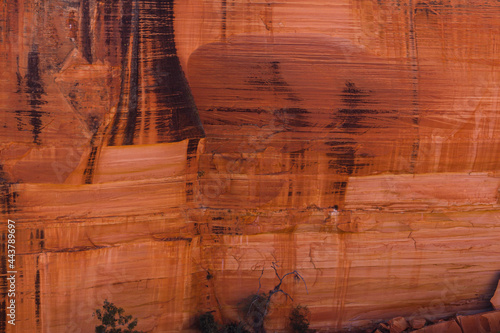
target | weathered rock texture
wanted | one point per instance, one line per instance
(160, 154)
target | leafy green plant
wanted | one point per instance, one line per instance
(114, 320)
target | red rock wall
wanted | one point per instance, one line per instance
(353, 141)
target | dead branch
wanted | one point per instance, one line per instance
(260, 304)
(260, 277)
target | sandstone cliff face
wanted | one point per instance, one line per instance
(163, 154)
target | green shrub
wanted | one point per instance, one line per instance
(112, 318)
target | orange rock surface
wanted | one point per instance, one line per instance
(163, 154)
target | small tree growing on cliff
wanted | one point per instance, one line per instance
(114, 320)
(258, 305)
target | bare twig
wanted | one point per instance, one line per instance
(285, 293)
(260, 304)
(260, 277)
(298, 276)
(274, 265)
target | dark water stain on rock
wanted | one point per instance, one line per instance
(32, 86)
(123, 43)
(283, 118)
(155, 101)
(35, 91)
(133, 79)
(88, 173)
(347, 120)
(8, 196)
(270, 78)
(224, 19)
(37, 295)
(293, 118)
(85, 31)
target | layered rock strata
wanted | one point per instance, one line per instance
(162, 155)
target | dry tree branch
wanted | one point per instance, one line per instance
(260, 277)
(259, 304)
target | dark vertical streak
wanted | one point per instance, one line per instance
(192, 149)
(177, 115)
(85, 32)
(125, 28)
(34, 89)
(37, 295)
(108, 10)
(167, 76)
(88, 173)
(414, 72)
(42, 239)
(7, 195)
(347, 120)
(224, 19)
(134, 80)
(151, 71)
(192, 146)
(19, 91)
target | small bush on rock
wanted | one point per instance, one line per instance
(299, 319)
(207, 324)
(114, 320)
